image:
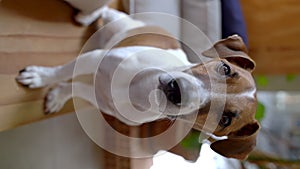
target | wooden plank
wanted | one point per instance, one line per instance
(13, 93)
(11, 63)
(274, 32)
(14, 115)
(20, 105)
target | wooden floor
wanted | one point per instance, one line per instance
(33, 32)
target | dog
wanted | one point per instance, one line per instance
(163, 83)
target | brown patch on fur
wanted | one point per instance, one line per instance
(149, 36)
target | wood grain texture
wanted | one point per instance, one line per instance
(34, 32)
(274, 31)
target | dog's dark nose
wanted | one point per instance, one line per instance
(170, 87)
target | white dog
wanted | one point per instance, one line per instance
(146, 76)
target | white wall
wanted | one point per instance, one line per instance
(57, 143)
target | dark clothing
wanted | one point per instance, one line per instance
(233, 19)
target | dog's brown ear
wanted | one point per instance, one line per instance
(232, 49)
(239, 144)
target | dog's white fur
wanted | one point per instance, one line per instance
(133, 59)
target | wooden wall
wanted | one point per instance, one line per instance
(274, 35)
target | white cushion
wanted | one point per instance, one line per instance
(161, 8)
(204, 14)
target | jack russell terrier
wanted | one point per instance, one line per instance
(162, 67)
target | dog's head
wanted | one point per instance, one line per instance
(229, 66)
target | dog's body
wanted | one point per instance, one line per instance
(152, 78)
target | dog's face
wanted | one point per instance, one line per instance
(227, 94)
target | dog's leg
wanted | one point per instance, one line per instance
(58, 96)
(114, 24)
(89, 10)
(87, 18)
(107, 14)
(124, 23)
(39, 76)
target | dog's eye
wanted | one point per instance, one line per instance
(224, 69)
(225, 120)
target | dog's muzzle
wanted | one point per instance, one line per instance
(183, 90)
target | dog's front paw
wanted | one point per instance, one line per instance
(57, 97)
(36, 76)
